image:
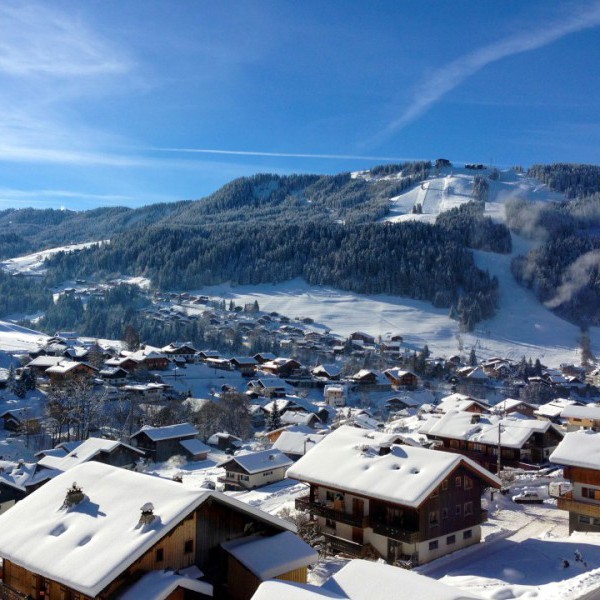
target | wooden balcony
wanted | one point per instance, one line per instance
(339, 545)
(8, 593)
(580, 507)
(397, 533)
(317, 508)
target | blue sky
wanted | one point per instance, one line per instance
(125, 103)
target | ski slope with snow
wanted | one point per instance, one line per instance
(33, 264)
(14, 338)
(521, 327)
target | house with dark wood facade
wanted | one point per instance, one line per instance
(108, 534)
(405, 503)
(579, 455)
(162, 443)
(524, 443)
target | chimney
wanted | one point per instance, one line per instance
(385, 449)
(147, 515)
(74, 496)
(271, 457)
(475, 418)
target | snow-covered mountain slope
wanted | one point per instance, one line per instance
(33, 264)
(14, 338)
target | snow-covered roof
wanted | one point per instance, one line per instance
(66, 366)
(99, 538)
(195, 446)
(159, 585)
(466, 426)
(255, 462)
(349, 459)
(329, 369)
(85, 452)
(295, 442)
(268, 557)
(554, 407)
(509, 404)
(459, 402)
(581, 412)
(364, 580)
(578, 449)
(168, 432)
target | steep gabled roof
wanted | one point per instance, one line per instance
(168, 432)
(349, 459)
(256, 462)
(96, 540)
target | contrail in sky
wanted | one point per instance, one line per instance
(443, 80)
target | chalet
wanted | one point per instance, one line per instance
(263, 357)
(362, 338)
(69, 370)
(579, 454)
(581, 417)
(184, 351)
(463, 403)
(295, 444)
(204, 354)
(267, 387)
(146, 392)
(123, 362)
(255, 469)
(525, 443)
(402, 379)
(224, 441)
(296, 417)
(364, 377)
(109, 452)
(510, 406)
(552, 410)
(330, 372)
(162, 443)
(365, 580)
(13, 419)
(109, 546)
(17, 480)
(114, 375)
(395, 404)
(282, 367)
(335, 395)
(151, 359)
(246, 365)
(407, 503)
(41, 363)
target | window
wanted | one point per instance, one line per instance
(267, 473)
(451, 539)
(467, 535)
(458, 510)
(433, 545)
(468, 509)
(458, 481)
(468, 483)
(244, 478)
(444, 513)
(434, 518)
(160, 555)
(584, 519)
(445, 484)
(188, 546)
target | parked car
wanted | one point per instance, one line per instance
(528, 498)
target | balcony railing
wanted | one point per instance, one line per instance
(339, 545)
(8, 593)
(578, 506)
(397, 533)
(304, 503)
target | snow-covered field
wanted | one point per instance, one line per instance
(14, 338)
(33, 264)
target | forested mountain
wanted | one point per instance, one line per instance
(564, 269)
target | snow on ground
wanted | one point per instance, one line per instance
(522, 327)
(33, 264)
(14, 338)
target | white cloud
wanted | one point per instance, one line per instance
(38, 41)
(433, 88)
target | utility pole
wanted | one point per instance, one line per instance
(498, 460)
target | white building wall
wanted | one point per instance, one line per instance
(426, 555)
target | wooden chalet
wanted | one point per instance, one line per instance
(401, 379)
(246, 365)
(581, 417)
(123, 362)
(364, 377)
(579, 455)
(406, 503)
(185, 351)
(162, 443)
(361, 337)
(118, 534)
(255, 469)
(281, 367)
(525, 443)
(69, 370)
